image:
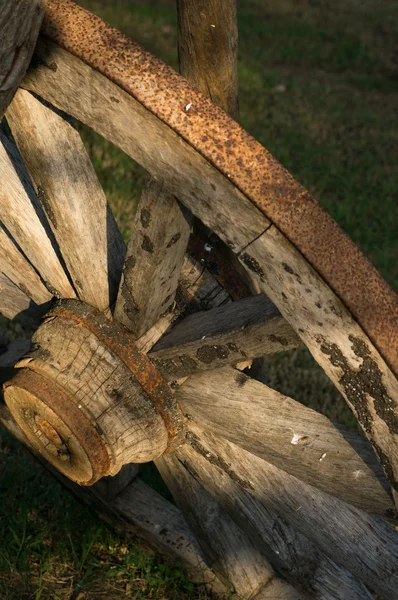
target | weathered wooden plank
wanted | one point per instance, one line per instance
(18, 213)
(230, 552)
(72, 197)
(15, 304)
(155, 254)
(198, 290)
(208, 50)
(229, 334)
(142, 512)
(255, 492)
(287, 434)
(19, 25)
(92, 98)
(16, 267)
(335, 340)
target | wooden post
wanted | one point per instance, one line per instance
(208, 50)
(19, 25)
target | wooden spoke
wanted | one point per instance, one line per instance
(19, 25)
(110, 487)
(154, 259)
(365, 545)
(125, 122)
(15, 304)
(18, 206)
(198, 289)
(231, 554)
(230, 334)
(294, 438)
(16, 267)
(289, 552)
(72, 197)
(335, 340)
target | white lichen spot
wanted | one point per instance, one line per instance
(323, 457)
(296, 438)
(188, 106)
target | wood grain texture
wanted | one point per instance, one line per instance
(15, 304)
(198, 290)
(252, 490)
(230, 552)
(102, 387)
(110, 487)
(19, 213)
(92, 98)
(335, 340)
(229, 334)
(208, 50)
(72, 197)
(155, 254)
(20, 23)
(17, 268)
(287, 434)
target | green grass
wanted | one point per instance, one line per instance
(318, 87)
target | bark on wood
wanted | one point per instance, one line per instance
(103, 389)
(208, 49)
(226, 335)
(19, 25)
(19, 208)
(294, 438)
(17, 268)
(230, 553)
(72, 197)
(154, 259)
(335, 340)
(365, 545)
(139, 511)
(15, 304)
(93, 99)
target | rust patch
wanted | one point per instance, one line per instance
(120, 341)
(241, 159)
(51, 395)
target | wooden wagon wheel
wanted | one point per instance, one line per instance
(282, 503)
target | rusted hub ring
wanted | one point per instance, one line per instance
(120, 342)
(56, 428)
